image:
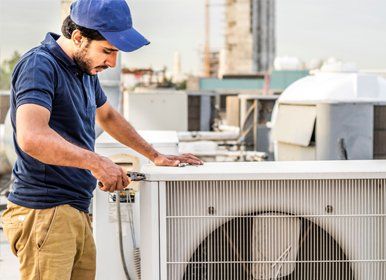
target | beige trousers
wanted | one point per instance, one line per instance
(51, 244)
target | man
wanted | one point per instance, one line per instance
(55, 99)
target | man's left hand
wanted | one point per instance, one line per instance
(165, 160)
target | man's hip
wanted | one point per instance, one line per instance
(53, 243)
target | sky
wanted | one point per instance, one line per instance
(351, 30)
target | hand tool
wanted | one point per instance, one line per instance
(134, 177)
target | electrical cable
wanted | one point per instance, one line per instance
(136, 251)
(122, 253)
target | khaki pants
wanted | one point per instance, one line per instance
(51, 244)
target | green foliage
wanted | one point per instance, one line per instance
(6, 69)
(181, 86)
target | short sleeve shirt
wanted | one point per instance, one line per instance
(47, 77)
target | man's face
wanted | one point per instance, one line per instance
(95, 56)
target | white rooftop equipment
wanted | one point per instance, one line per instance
(255, 113)
(331, 116)
(105, 213)
(268, 220)
(156, 110)
(201, 110)
(288, 63)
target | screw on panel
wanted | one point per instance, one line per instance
(329, 209)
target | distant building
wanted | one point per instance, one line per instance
(214, 63)
(250, 36)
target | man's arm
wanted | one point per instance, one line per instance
(114, 124)
(37, 139)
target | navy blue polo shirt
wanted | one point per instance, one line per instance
(46, 76)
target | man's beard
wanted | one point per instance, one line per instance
(84, 63)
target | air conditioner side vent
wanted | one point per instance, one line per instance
(275, 229)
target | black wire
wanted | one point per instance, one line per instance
(122, 253)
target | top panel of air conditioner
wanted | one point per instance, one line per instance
(270, 171)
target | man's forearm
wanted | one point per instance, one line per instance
(115, 125)
(50, 148)
(124, 132)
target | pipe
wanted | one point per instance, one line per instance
(187, 136)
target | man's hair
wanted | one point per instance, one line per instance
(69, 27)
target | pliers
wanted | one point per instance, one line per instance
(134, 177)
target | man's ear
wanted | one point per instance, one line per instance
(77, 38)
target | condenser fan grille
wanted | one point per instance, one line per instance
(279, 229)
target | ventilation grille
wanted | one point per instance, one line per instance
(288, 229)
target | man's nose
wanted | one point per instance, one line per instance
(111, 60)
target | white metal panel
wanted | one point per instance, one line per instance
(157, 110)
(351, 123)
(163, 228)
(353, 169)
(105, 229)
(150, 231)
(295, 124)
(336, 88)
(289, 152)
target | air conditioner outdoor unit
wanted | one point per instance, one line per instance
(201, 111)
(269, 220)
(105, 218)
(331, 116)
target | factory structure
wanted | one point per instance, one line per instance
(250, 36)
(250, 42)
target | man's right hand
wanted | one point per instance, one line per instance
(112, 176)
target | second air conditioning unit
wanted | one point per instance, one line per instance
(331, 116)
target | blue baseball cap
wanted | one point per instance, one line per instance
(112, 19)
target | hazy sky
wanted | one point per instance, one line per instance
(351, 30)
